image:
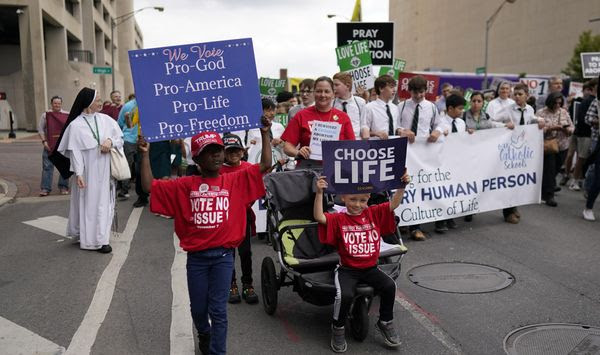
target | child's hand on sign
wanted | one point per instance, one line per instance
(409, 134)
(470, 130)
(143, 146)
(266, 123)
(321, 184)
(510, 125)
(433, 137)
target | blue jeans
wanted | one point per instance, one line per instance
(209, 277)
(48, 174)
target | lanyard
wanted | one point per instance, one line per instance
(95, 134)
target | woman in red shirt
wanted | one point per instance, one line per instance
(298, 131)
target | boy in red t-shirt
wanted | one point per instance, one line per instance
(209, 216)
(356, 234)
(234, 152)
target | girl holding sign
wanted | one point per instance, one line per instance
(297, 135)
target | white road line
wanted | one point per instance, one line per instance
(428, 324)
(182, 334)
(15, 339)
(85, 336)
(52, 224)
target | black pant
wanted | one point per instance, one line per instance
(245, 252)
(595, 188)
(549, 175)
(346, 279)
(138, 179)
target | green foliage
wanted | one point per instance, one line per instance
(587, 43)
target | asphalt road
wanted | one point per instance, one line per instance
(47, 286)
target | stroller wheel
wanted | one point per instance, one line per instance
(269, 285)
(359, 320)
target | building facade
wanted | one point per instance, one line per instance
(527, 36)
(50, 47)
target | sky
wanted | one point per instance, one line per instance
(296, 35)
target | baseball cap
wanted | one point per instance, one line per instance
(204, 139)
(232, 141)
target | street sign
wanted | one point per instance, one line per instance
(380, 37)
(480, 70)
(102, 70)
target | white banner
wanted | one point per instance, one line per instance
(466, 174)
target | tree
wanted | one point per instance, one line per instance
(587, 43)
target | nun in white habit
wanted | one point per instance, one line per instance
(86, 141)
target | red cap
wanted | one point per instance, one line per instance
(204, 139)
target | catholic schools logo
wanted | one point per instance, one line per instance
(517, 153)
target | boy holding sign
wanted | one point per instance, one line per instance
(209, 213)
(356, 235)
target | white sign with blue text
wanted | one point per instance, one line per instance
(187, 89)
(471, 173)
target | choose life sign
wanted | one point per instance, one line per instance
(356, 167)
(187, 89)
(590, 65)
(355, 58)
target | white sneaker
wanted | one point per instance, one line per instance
(574, 186)
(588, 215)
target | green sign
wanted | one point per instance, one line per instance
(355, 59)
(394, 71)
(272, 87)
(102, 70)
(282, 118)
(480, 70)
(468, 95)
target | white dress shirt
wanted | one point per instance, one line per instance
(429, 118)
(376, 118)
(528, 114)
(460, 124)
(355, 108)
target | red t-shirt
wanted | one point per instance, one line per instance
(228, 169)
(299, 128)
(111, 110)
(357, 238)
(208, 212)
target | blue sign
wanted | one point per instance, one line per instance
(184, 90)
(356, 167)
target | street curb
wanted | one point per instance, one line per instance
(9, 191)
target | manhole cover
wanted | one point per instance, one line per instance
(457, 277)
(553, 338)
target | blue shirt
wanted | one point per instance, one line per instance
(129, 134)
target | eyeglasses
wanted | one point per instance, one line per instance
(306, 92)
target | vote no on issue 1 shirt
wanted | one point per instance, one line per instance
(208, 212)
(357, 238)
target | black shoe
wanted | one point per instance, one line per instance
(469, 218)
(122, 196)
(451, 224)
(440, 227)
(249, 295)
(551, 202)
(388, 332)
(204, 343)
(338, 339)
(140, 202)
(105, 249)
(557, 189)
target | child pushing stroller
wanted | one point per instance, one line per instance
(356, 233)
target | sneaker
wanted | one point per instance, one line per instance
(234, 294)
(122, 197)
(64, 191)
(204, 343)
(44, 193)
(451, 224)
(512, 219)
(388, 332)
(440, 227)
(551, 202)
(574, 186)
(588, 215)
(249, 295)
(140, 202)
(105, 249)
(418, 235)
(338, 339)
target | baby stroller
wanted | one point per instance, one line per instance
(306, 264)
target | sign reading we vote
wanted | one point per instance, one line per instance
(187, 89)
(354, 167)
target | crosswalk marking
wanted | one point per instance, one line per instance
(182, 335)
